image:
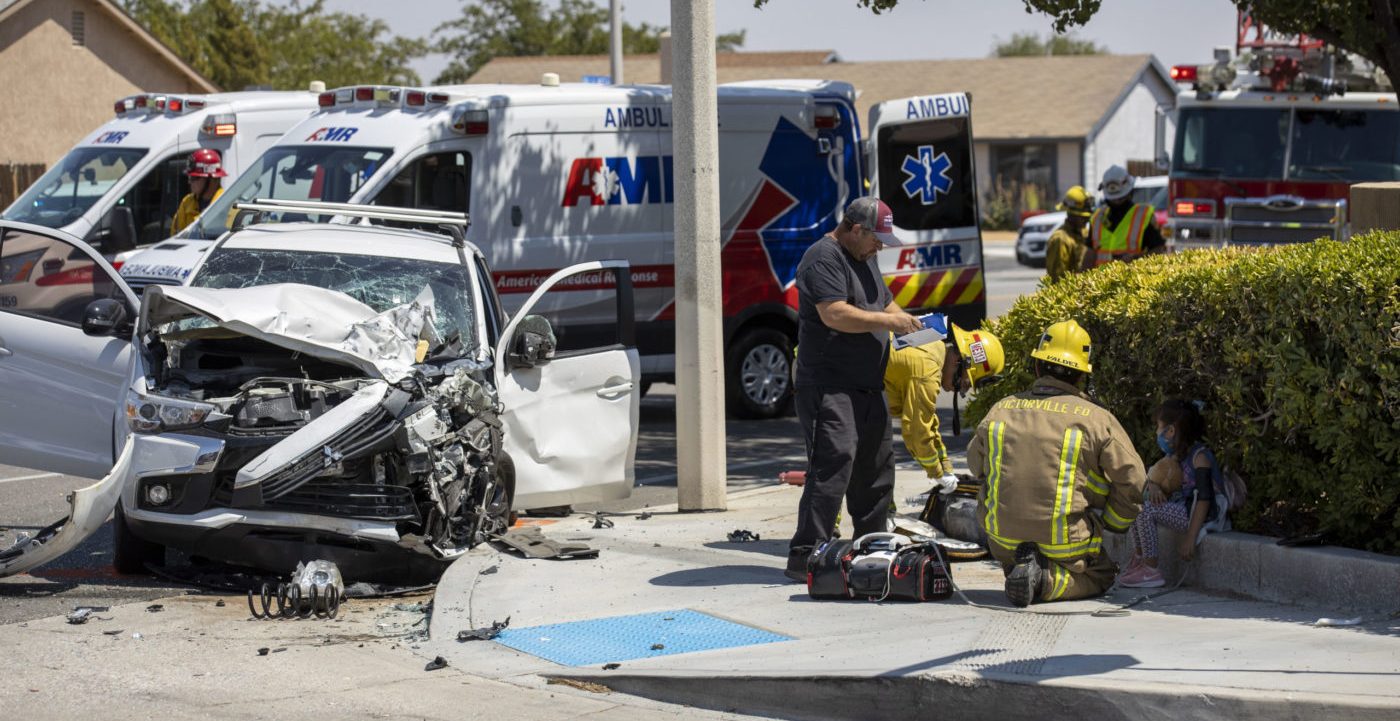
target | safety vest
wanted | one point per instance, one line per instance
(1123, 242)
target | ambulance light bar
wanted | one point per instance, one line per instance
(469, 121)
(156, 104)
(220, 125)
(380, 95)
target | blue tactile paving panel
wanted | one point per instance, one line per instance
(626, 638)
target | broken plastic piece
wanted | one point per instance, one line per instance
(600, 522)
(658, 646)
(742, 535)
(435, 664)
(532, 543)
(80, 616)
(113, 632)
(264, 651)
(485, 633)
(611, 666)
(1338, 621)
(155, 608)
(645, 515)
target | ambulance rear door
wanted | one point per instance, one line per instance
(921, 165)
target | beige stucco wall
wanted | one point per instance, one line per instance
(56, 92)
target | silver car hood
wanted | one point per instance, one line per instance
(323, 323)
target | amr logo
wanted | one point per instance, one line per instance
(926, 175)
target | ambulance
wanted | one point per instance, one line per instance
(556, 174)
(118, 189)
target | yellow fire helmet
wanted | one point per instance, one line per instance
(1067, 344)
(981, 352)
(1077, 201)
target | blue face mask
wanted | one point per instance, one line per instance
(1164, 443)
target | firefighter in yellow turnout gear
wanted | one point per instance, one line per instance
(1058, 471)
(913, 378)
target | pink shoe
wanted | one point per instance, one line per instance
(1143, 576)
(1134, 563)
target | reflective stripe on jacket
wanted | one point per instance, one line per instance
(1048, 456)
(1123, 242)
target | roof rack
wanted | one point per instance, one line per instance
(378, 212)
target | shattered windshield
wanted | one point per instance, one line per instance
(379, 282)
(304, 172)
(73, 185)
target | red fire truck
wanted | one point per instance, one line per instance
(1269, 141)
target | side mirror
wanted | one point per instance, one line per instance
(121, 233)
(533, 342)
(106, 317)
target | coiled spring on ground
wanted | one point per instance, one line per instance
(285, 600)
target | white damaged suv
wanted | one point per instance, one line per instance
(348, 392)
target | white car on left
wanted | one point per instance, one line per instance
(348, 392)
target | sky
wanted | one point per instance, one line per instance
(1176, 31)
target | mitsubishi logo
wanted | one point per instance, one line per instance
(926, 175)
(329, 457)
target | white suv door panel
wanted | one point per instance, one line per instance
(571, 421)
(59, 388)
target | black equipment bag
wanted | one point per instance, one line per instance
(876, 567)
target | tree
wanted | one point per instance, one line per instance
(1368, 28)
(512, 28)
(305, 43)
(244, 43)
(1031, 44)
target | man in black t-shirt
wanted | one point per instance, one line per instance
(845, 317)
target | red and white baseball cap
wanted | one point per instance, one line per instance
(873, 215)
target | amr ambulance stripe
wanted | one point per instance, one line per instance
(996, 433)
(936, 288)
(1064, 485)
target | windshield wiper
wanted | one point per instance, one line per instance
(1333, 170)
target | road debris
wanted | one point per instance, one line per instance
(490, 570)
(611, 666)
(601, 521)
(658, 647)
(532, 543)
(435, 664)
(79, 616)
(315, 590)
(1336, 622)
(220, 603)
(646, 515)
(485, 633)
(155, 608)
(113, 632)
(264, 651)
(742, 535)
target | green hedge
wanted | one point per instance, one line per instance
(1296, 352)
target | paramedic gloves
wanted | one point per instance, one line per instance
(947, 484)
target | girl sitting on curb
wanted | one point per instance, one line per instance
(1180, 433)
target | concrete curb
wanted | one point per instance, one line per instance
(1252, 566)
(966, 697)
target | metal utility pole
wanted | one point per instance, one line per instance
(616, 43)
(700, 455)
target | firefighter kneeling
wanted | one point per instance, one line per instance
(1051, 460)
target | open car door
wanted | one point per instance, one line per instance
(921, 165)
(568, 375)
(59, 387)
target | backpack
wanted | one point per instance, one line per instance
(1234, 489)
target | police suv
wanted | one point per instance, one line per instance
(558, 174)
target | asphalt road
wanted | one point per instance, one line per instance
(756, 452)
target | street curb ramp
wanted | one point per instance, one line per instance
(961, 696)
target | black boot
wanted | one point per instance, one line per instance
(1023, 581)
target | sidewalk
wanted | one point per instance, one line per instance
(1184, 655)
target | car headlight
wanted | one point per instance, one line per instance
(152, 414)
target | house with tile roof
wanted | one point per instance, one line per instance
(62, 65)
(1047, 122)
